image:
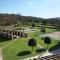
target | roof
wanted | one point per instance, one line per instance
(7, 28)
(51, 57)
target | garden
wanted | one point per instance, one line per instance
(18, 49)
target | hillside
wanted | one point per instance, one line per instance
(10, 19)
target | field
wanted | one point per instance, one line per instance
(18, 49)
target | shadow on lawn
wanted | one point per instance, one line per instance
(2, 40)
(40, 50)
(57, 46)
(58, 29)
(23, 53)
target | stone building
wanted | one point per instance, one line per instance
(11, 33)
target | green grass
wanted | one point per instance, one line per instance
(10, 52)
(4, 43)
(21, 44)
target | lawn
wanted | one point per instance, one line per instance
(15, 50)
(19, 46)
(4, 43)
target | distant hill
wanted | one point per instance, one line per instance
(11, 19)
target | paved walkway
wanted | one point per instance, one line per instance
(1, 54)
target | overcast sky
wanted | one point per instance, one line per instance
(37, 8)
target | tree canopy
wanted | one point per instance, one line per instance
(32, 42)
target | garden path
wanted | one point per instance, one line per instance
(1, 54)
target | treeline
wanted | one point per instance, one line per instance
(11, 19)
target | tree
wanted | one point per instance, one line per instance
(43, 29)
(47, 40)
(33, 25)
(44, 22)
(32, 42)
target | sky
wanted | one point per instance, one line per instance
(36, 8)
